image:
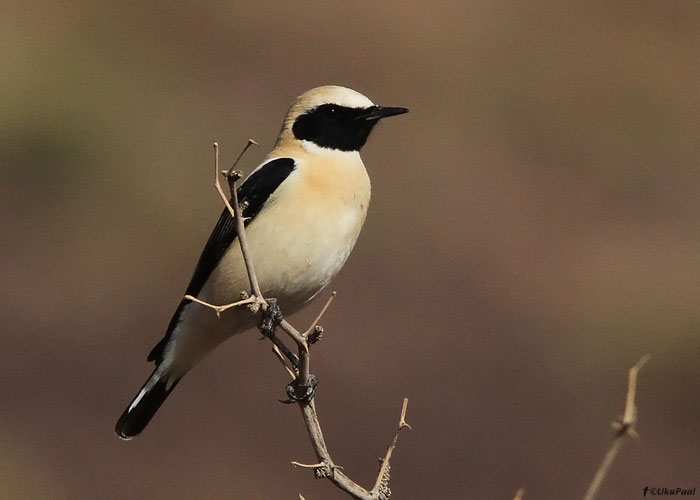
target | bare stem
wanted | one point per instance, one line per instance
(235, 212)
(220, 309)
(283, 360)
(623, 427)
(314, 324)
(381, 485)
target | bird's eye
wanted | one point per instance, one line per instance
(331, 111)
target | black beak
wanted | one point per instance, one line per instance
(378, 112)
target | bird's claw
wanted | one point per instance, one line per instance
(298, 393)
(271, 318)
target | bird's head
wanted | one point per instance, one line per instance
(334, 117)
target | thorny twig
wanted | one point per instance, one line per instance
(623, 427)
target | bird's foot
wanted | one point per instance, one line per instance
(271, 318)
(298, 393)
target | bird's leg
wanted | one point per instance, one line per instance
(271, 318)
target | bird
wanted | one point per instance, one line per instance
(303, 206)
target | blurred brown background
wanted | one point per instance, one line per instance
(534, 231)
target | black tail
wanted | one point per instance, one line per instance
(144, 406)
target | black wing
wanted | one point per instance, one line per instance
(252, 195)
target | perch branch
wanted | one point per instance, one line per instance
(623, 427)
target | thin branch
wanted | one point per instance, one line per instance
(307, 466)
(283, 360)
(251, 142)
(304, 368)
(314, 324)
(293, 333)
(519, 494)
(629, 418)
(623, 428)
(220, 309)
(381, 485)
(235, 211)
